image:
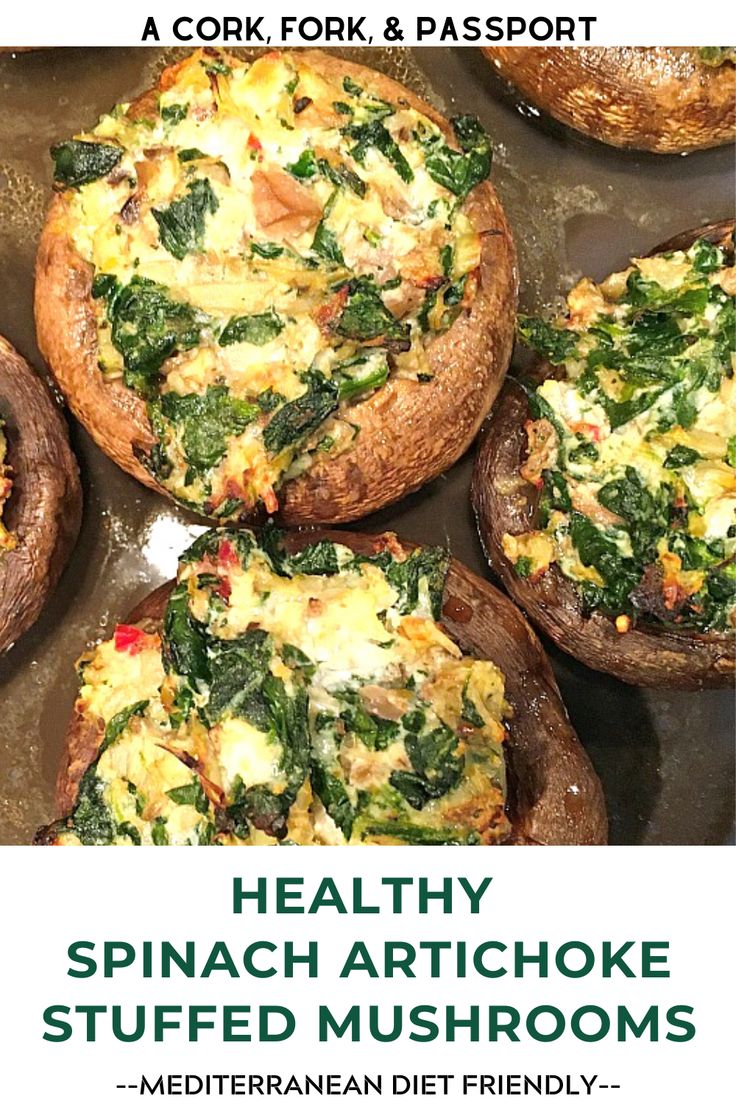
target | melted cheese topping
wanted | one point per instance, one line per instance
(310, 698)
(640, 486)
(291, 229)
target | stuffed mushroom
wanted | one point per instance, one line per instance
(40, 496)
(659, 98)
(322, 689)
(277, 285)
(605, 488)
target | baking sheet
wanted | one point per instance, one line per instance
(666, 758)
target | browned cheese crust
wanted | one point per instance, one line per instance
(657, 98)
(555, 796)
(410, 432)
(45, 504)
(504, 502)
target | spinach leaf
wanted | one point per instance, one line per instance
(140, 801)
(269, 400)
(556, 490)
(333, 794)
(618, 413)
(266, 809)
(641, 292)
(438, 765)
(181, 224)
(656, 334)
(174, 113)
(238, 669)
(131, 832)
(190, 794)
(92, 819)
(551, 342)
(470, 713)
(268, 250)
(297, 419)
(731, 451)
(722, 583)
(319, 558)
(457, 171)
(289, 718)
(208, 422)
(77, 162)
(216, 67)
(374, 135)
(375, 732)
(619, 575)
(325, 244)
(524, 567)
(716, 599)
(185, 647)
(429, 564)
(681, 457)
(645, 512)
(305, 166)
(159, 833)
(582, 452)
(104, 286)
(117, 724)
(210, 542)
(360, 375)
(256, 329)
(339, 174)
(706, 256)
(696, 553)
(148, 326)
(191, 154)
(367, 318)
(261, 807)
(540, 408)
(298, 660)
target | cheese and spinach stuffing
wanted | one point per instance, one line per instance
(269, 245)
(303, 698)
(7, 539)
(633, 443)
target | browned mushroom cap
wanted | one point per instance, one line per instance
(410, 432)
(45, 504)
(555, 796)
(657, 98)
(504, 502)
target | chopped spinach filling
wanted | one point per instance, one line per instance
(638, 503)
(375, 757)
(297, 248)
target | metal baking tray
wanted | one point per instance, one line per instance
(666, 759)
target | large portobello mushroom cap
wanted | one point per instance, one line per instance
(43, 511)
(504, 502)
(555, 797)
(659, 98)
(408, 431)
